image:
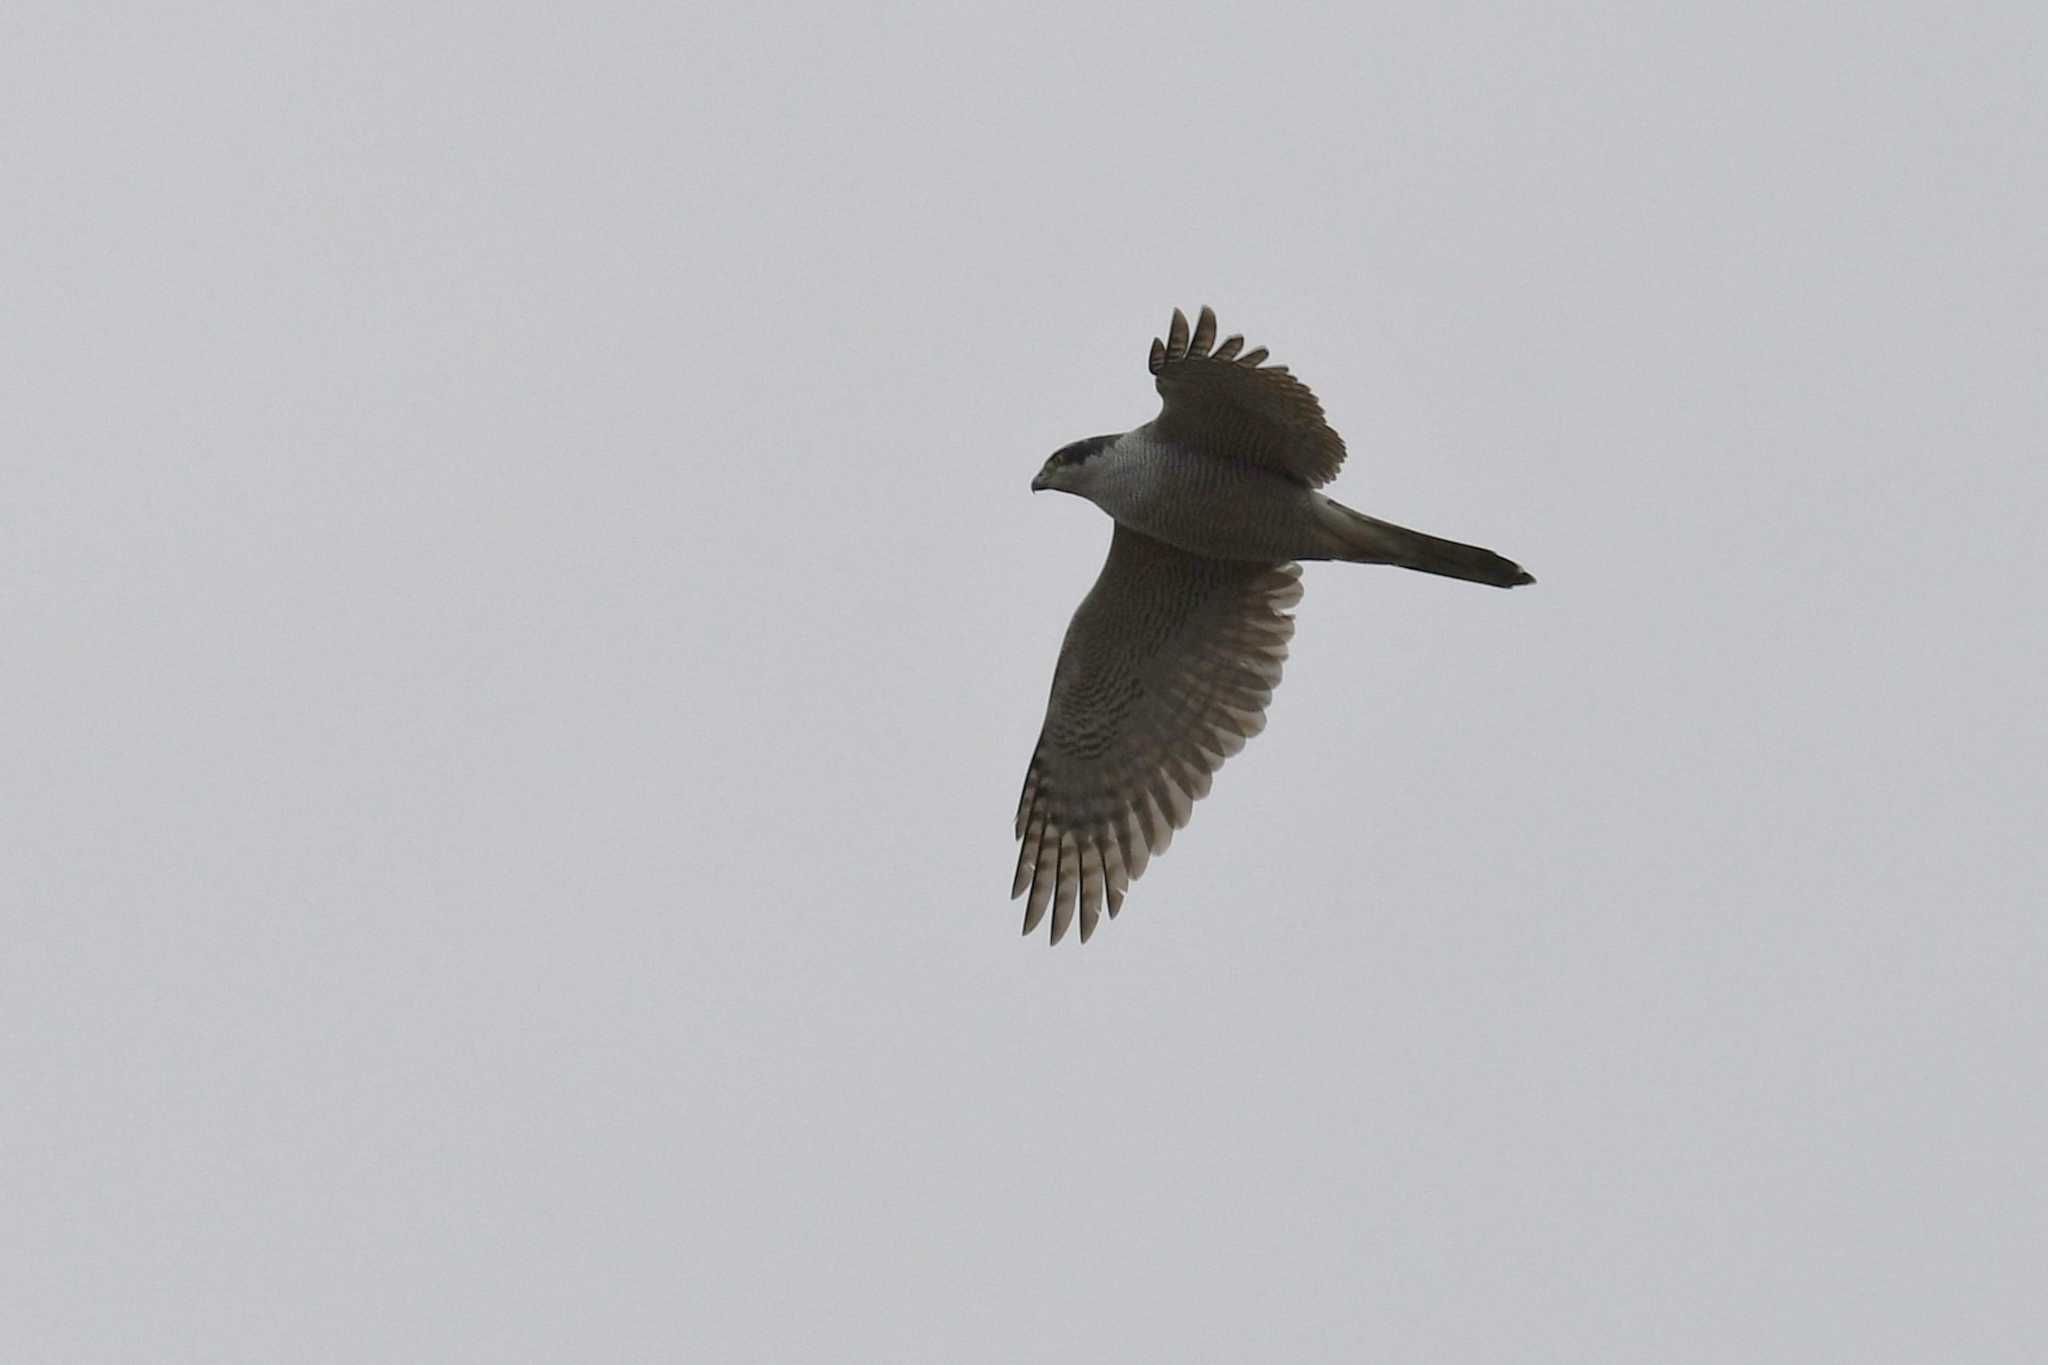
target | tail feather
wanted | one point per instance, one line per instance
(1368, 540)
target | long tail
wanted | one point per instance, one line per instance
(1368, 540)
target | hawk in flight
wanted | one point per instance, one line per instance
(1171, 658)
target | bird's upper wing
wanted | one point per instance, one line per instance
(1165, 672)
(1231, 406)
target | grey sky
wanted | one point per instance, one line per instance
(524, 624)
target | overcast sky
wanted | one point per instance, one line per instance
(523, 623)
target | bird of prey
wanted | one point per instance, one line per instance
(1171, 658)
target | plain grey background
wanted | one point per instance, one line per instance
(524, 621)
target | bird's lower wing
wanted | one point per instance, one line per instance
(1166, 670)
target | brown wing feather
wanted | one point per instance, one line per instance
(1166, 670)
(1234, 407)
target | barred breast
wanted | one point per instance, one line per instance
(1207, 506)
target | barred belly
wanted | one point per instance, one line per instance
(1208, 506)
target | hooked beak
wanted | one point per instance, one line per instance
(1038, 483)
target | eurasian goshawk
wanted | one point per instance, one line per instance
(1170, 660)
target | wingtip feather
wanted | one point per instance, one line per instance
(1177, 337)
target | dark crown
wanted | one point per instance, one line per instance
(1081, 451)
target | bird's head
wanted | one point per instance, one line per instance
(1070, 468)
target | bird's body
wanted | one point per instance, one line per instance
(1169, 662)
(1219, 508)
